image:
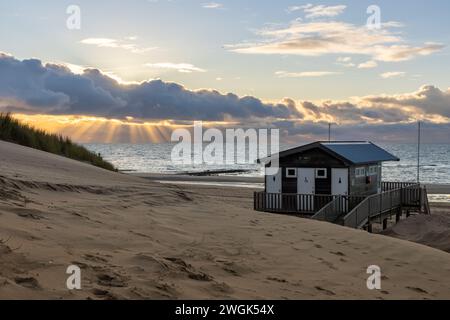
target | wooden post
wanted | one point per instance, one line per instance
(420, 200)
(369, 228)
(398, 216)
(385, 224)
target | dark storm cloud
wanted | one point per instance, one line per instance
(298, 133)
(429, 99)
(350, 112)
(55, 89)
(50, 88)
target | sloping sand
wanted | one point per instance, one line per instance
(138, 239)
(432, 230)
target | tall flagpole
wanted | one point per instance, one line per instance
(329, 132)
(419, 138)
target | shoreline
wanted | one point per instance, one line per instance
(197, 178)
(238, 181)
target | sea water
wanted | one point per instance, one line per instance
(156, 158)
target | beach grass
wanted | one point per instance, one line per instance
(12, 130)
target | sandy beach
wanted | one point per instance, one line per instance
(136, 238)
(258, 182)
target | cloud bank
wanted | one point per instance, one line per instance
(318, 38)
(31, 87)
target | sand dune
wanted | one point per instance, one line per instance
(137, 239)
(432, 230)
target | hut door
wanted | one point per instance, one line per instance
(273, 190)
(273, 183)
(339, 182)
(306, 181)
(306, 189)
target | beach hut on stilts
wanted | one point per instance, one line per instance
(339, 182)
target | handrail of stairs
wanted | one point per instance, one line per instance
(331, 211)
(379, 203)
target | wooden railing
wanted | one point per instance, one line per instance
(388, 186)
(350, 211)
(378, 204)
(339, 206)
(307, 204)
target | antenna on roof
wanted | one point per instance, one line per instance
(329, 132)
(419, 138)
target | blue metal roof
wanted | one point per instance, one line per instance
(359, 152)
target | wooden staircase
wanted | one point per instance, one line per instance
(360, 213)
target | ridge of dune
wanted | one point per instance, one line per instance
(25, 163)
(136, 239)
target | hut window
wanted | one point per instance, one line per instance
(291, 173)
(373, 171)
(360, 172)
(321, 173)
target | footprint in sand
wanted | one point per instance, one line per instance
(417, 290)
(221, 288)
(327, 263)
(200, 276)
(328, 292)
(28, 282)
(103, 294)
(167, 289)
(111, 281)
(189, 270)
(95, 258)
(275, 279)
(28, 213)
(231, 271)
(338, 253)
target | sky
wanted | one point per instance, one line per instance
(135, 69)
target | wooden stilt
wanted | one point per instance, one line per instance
(385, 224)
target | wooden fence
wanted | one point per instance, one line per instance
(350, 211)
(388, 186)
(410, 196)
(307, 204)
(339, 206)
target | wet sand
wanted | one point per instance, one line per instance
(258, 182)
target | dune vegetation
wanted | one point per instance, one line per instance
(12, 130)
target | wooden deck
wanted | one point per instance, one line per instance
(350, 211)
